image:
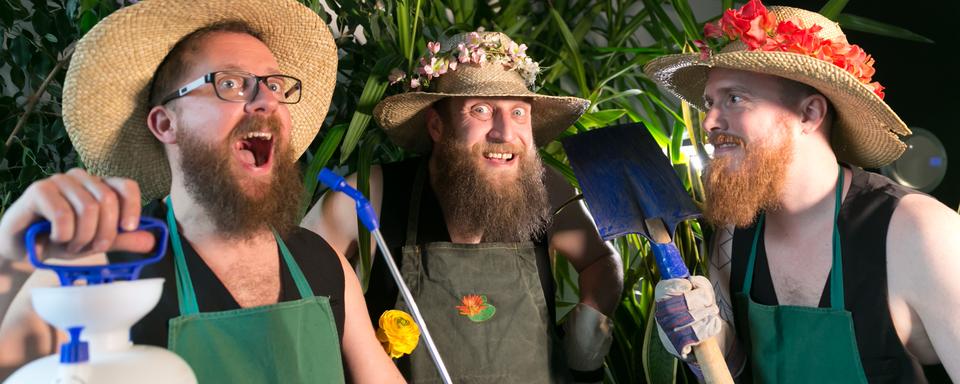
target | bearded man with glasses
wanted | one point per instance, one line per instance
(202, 112)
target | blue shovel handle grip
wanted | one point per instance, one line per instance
(669, 261)
(97, 274)
(364, 210)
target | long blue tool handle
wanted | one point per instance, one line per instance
(669, 261)
(96, 274)
(369, 219)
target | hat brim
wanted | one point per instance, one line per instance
(105, 102)
(866, 131)
(403, 116)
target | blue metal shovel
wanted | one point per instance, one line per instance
(630, 187)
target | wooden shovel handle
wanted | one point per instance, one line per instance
(711, 362)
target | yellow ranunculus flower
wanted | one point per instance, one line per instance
(398, 333)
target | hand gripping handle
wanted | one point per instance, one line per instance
(97, 274)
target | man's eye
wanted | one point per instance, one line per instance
(519, 112)
(481, 109)
(228, 84)
(274, 87)
(735, 99)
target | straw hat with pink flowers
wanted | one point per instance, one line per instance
(484, 64)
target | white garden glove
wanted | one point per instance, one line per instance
(587, 339)
(686, 313)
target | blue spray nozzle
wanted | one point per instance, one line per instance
(338, 184)
(74, 351)
(97, 274)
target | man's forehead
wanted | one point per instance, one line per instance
(236, 51)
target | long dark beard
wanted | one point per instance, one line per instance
(502, 210)
(238, 207)
(738, 189)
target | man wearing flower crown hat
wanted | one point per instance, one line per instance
(473, 220)
(203, 110)
(823, 272)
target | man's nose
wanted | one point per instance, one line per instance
(265, 101)
(712, 120)
(504, 129)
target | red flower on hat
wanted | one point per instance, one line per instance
(759, 30)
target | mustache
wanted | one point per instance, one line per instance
(256, 123)
(481, 148)
(717, 138)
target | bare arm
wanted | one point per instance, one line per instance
(574, 235)
(365, 358)
(720, 265)
(334, 217)
(923, 259)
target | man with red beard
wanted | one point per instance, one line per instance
(821, 272)
(473, 222)
(202, 112)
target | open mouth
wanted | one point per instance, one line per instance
(256, 149)
(499, 157)
(722, 141)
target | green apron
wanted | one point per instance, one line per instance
(794, 344)
(515, 344)
(288, 342)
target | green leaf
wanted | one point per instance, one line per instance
(601, 118)
(320, 158)
(833, 8)
(363, 185)
(863, 24)
(373, 91)
(576, 64)
(690, 25)
(51, 38)
(619, 95)
(659, 366)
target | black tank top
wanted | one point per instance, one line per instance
(397, 187)
(319, 263)
(864, 218)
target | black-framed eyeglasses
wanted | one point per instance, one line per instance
(243, 87)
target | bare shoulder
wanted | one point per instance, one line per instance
(923, 257)
(558, 187)
(334, 216)
(923, 233)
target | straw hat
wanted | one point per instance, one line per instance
(403, 116)
(865, 132)
(105, 93)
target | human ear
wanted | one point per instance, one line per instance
(161, 122)
(813, 112)
(434, 124)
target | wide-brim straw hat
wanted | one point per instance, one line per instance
(865, 132)
(403, 116)
(105, 94)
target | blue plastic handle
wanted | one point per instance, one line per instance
(97, 274)
(669, 261)
(364, 210)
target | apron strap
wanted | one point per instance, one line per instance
(836, 273)
(298, 277)
(413, 215)
(836, 270)
(186, 297)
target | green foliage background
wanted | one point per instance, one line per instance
(593, 49)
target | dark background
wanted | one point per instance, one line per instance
(921, 79)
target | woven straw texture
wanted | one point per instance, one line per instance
(105, 93)
(403, 116)
(866, 132)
